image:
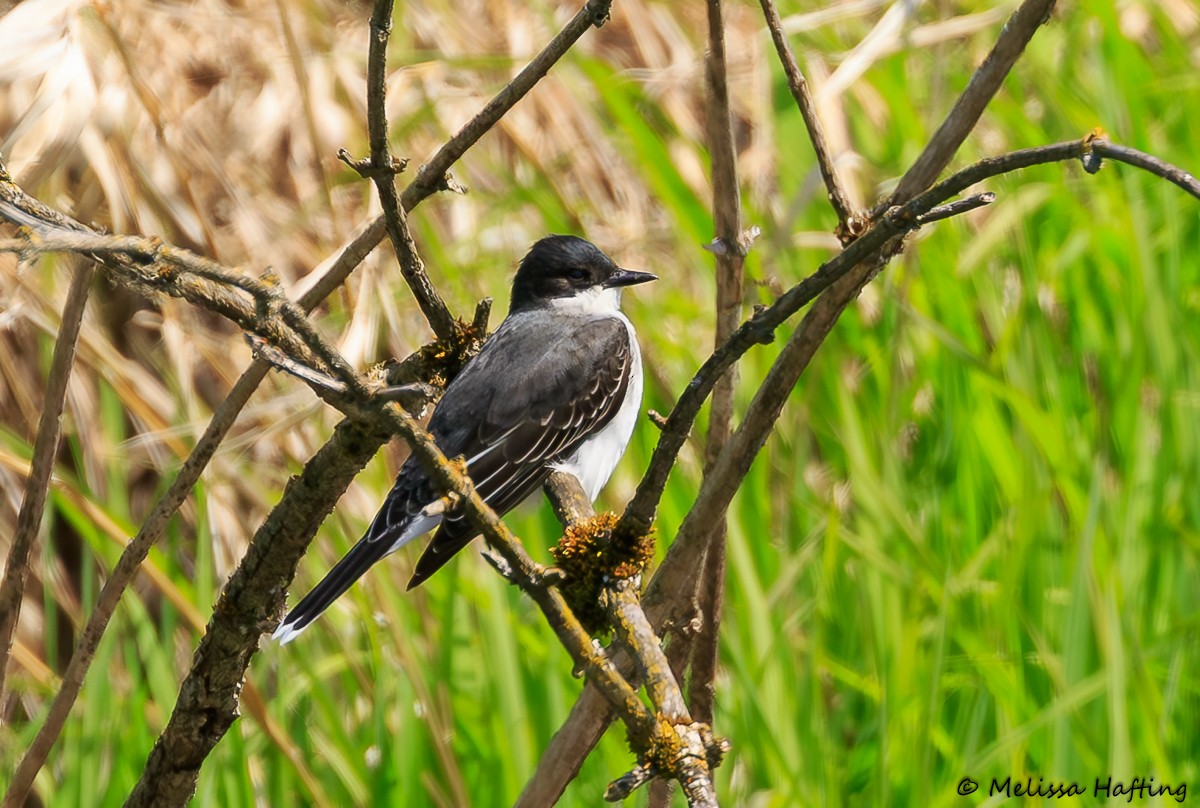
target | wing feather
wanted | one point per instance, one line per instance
(534, 393)
(523, 437)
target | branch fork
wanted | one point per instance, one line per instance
(368, 170)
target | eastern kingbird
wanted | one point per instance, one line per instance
(557, 386)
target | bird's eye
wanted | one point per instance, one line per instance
(577, 274)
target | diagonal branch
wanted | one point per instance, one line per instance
(254, 596)
(152, 266)
(727, 210)
(431, 177)
(208, 698)
(732, 465)
(589, 717)
(384, 170)
(45, 449)
(984, 84)
(428, 181)
(694, 749)
(122, 574)
(900, 220)
(850, 223)
(1085, 150)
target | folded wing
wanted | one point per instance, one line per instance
(531, 396)
(536, 418)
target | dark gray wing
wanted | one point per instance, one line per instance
(536, 391)
(537, 413)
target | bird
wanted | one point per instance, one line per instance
(556, 387)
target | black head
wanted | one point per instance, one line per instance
(558, 267)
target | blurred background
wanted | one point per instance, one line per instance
(970, 549)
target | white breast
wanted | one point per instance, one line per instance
(596, 458)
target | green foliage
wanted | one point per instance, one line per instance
(970, 549)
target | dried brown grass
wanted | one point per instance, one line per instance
(214, 125)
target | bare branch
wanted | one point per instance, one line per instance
(1056, 153)
(45, 449)
(727, 216)
(984, 84)
(248, 606)
(431, 177)
(1146, 162)
(688, 761)
(412, 397)
(153, 266)
(589, 717)
(956, 208)
(567, 498)
(639, 513)
(559, 764)
(595, 13)
(411, 267)
(850, 223)
(690, 749)
(719, 486)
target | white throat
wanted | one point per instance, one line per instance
(596, 300)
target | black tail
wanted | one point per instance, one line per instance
(352, 566)
(452, 536)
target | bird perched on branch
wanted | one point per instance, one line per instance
(557, 386)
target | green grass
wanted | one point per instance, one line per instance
(970, 549)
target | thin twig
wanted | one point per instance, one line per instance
(850, 222)
(412, 397)
(679, 653)
(45, 449)
(727, 214)
(411, 267)
(431, 177)
(153, 266)
(118, 580)
(1056, 153)
(1146, 162)
(559, 764)
(956, 208)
